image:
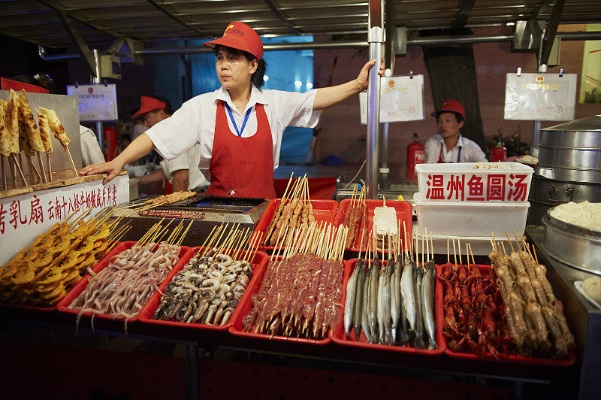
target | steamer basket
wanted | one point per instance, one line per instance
(571, 151)
(572, 245)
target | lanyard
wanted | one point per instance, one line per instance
(229, 112)
(440, 158)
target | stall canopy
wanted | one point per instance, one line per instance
(100, 23)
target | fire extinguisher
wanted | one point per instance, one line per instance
(499, 152)
(415, 155)
(111, 142)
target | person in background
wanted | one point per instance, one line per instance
(138, 127)
(182, 171)
(238, 127)
(90, 149)
(449, 146)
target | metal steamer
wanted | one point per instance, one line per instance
(569, 167)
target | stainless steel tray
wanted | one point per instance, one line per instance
(572, 245)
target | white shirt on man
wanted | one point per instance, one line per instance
(466, 151)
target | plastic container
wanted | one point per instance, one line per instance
(339, 337)
(474, 182)
(471, 219)
(404, 215)
(146, 314)
(324, 211)
(63, 305)
(479, 245)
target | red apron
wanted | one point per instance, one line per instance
(242, 166)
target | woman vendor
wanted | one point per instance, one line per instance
(239, 127)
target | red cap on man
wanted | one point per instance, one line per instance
(148, 104)
(451, 106)
(240, 36)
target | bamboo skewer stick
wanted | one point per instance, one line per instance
(39, 157)
(4, 182)
(49, 167)
(18, 166)
(71, 160)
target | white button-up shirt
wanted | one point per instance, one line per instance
(194, 122)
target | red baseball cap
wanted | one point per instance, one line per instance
(240, 36)
(451, 106)
(148, 104)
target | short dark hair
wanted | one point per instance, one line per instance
(258, 78)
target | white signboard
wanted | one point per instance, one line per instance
(401, 99)
(95, 102)
(540, 97)
(24, 217)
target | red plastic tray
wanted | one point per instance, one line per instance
(63, 305)
(146, 314)
(115, 250)
(509, 358)
(339, 336)
(404, 214)
(323, 210)
(246, 306)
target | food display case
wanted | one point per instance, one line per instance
(204, 212)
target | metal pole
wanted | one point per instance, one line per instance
(542, 68)
(375, 40)
(384, 170)
(96, 81)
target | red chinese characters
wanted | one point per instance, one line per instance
(473, 187)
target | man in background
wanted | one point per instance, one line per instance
(449, 146)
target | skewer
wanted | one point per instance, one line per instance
(33, 169)
(71, 160)
(16, 165)
(4, 183)
(49, 166)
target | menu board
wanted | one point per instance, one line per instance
(401, 99)
(540, 97)
(95, 102)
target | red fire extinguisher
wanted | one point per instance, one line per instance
(499, 152)
(111, 142)
(415, 155)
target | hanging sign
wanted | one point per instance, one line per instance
(540, 97)
(401, 99)
(95, 102)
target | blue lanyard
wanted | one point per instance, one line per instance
(458, 153)
(238, 131)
